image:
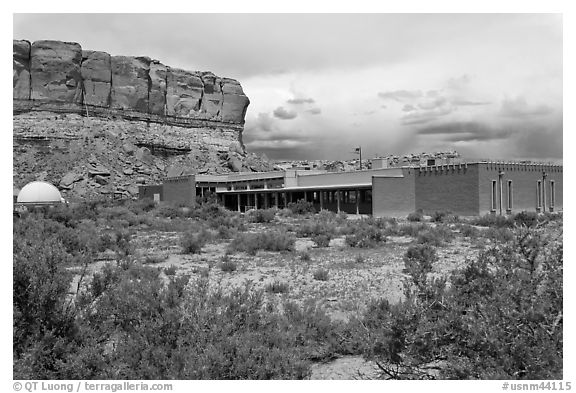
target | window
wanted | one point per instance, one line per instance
(509, 195)
(539, 194)
(494, 197)
(552, 194)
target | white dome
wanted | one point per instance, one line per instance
(39, 192)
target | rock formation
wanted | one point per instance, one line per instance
(88, 81)
(55, 71)
(21, 67)
(94, 124)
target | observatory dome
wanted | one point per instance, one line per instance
(39, 192)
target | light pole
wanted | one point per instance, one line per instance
(358, 150)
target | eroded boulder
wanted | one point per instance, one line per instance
(69, 179)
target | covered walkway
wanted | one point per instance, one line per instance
(350, 198)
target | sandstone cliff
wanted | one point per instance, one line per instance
(67, 77)
(93, 123)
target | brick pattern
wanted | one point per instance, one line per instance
(394, 196)
(524, 179)
(147, 192)
(448, 188)
(181, 189)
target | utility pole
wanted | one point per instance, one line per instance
(358, 150)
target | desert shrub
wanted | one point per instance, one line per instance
(416, 216)
(468, 230)
(193, 241)
(208, 211)
(322, 239)
(230, 220)
(261, 215)
(152, 259)
(418, 262)
(269, 241)
(301, 207)
(277, 287)
(119, 213)
(525, 218)
(168, 210)
(141, 206)
(227, 265)
(492, 220)
(410, 229)
(305, 257)
(321, 275)
(436, 236)
(285, 213)
(365, 234)
(497, 234)
(500, 316)
(170, 270)
(359, 259)
(42, 312)
(327, 215)
(444, 216)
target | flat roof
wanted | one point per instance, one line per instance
(307, 188)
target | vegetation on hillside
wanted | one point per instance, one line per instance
(498, 316)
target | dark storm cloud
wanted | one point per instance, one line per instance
(466, 131)
(541, 141)
(244, 45)
(284, 114)
(525, 138)
(408, 108)
(299, 101)
(425, 116)
(400, 95)
(520, 108)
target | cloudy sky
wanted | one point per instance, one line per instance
(486, 85)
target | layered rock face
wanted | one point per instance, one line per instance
(55, 71)
(96, 74)
(79, 80)
(95, 124)
(21, 67)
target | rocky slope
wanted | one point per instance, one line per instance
(94, 124)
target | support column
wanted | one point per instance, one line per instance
(544, 175)
(337, 200)
(276, 199)
(321, 195)
(357, 201)
(238, 195)
(256, 200)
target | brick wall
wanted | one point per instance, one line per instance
(449, 187)
(181, 189)
(524, 179)
(149, 191)
(393, 196)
